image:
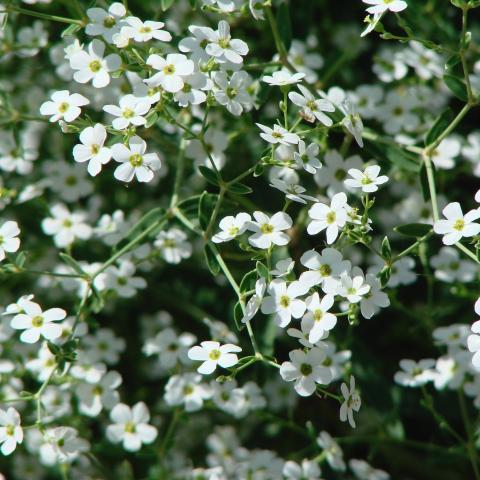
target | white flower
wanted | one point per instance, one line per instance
(368, 180)
(231, 227)
(312, 108)
(62, 445)
(65, 226)
(414, 374)
(381, 6)
(283, 267)
(374, 299)
(269, 230)
(196, 45)
(353, 287)
(318, 319)
(92, 66)
(130, 426)
(64, 106)
(173, 245)
(134, 161)
(256, 9)
(456, 226)
(364, 471)
(283, 301)
(308, 470)
(105, 23)
(444, 155)
(170, 347)
(304, 62)
(306, 157)
(278, 135)
(144, 31)
(232, 92)
(293, 192)
(121, 279)
(305, 368)
(193, 90)
(322, 266)
(449, 267)
(104, 346)
(36, 323)
(213, 354)
(11, 432)
(255, 300)
(351, 403)
(92, 149)
(283, 77)
(332, 450)
(188, 390)
(171, 71)
(9, 242)
(473, 341)
(223, 47)
(92, 398)
(130, 111)
(332, 218)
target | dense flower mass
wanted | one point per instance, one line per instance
(239, 240)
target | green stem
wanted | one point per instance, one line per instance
(471, 449)
(44, 16)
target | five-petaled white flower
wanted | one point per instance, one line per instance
(11, 432)
(213, 354)
(231, 227)
(66, 226)
(36, 323)
(93, 66)
(368, 180)
(284, 302)
(456, 226)
(269, 230)
(92, 149)
(352, 402)
(64, 105)
(318, 319)
(9, 242)
(312, 108)
(144, 31)
(225, 48)
(131, 426)
(171, 71)
(134, 161)
(381, 6)
(306, 370)
(105, 23)
(283, 77)
(131, 111)
(332, 218)
(278, 135)
(306, 157)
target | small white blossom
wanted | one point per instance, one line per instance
(352, 402)
(92, 149)
(171, 71)
(9, 241)
(269, 230)
(130, 111)
(11, 433)
(368, 180)
(64, 105)
(231, 227)
(225, 48)
(456, 226)
(213, 354)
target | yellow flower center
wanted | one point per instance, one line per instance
(284, 301)
(266, 228)
(135, 160)
(214, 354)
(459, 224)
(37, 321)
(63, 107)
(169, 69)
(95, 66)
(331, 217)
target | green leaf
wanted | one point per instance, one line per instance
(262, 270)
(284, 24)
(71, 30)
(453, 60)
(441, 123)
(248, 281)
(384, 275)
(206, 205)
(166, 4)
(240, 189)
(193, 4)
(209, 175)
(386, 249)
(71, 262)
(151, 119)
(238, 315)
(20, 259)
(414, 229)
(259, 169)
(456, 86)
(211, 260)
